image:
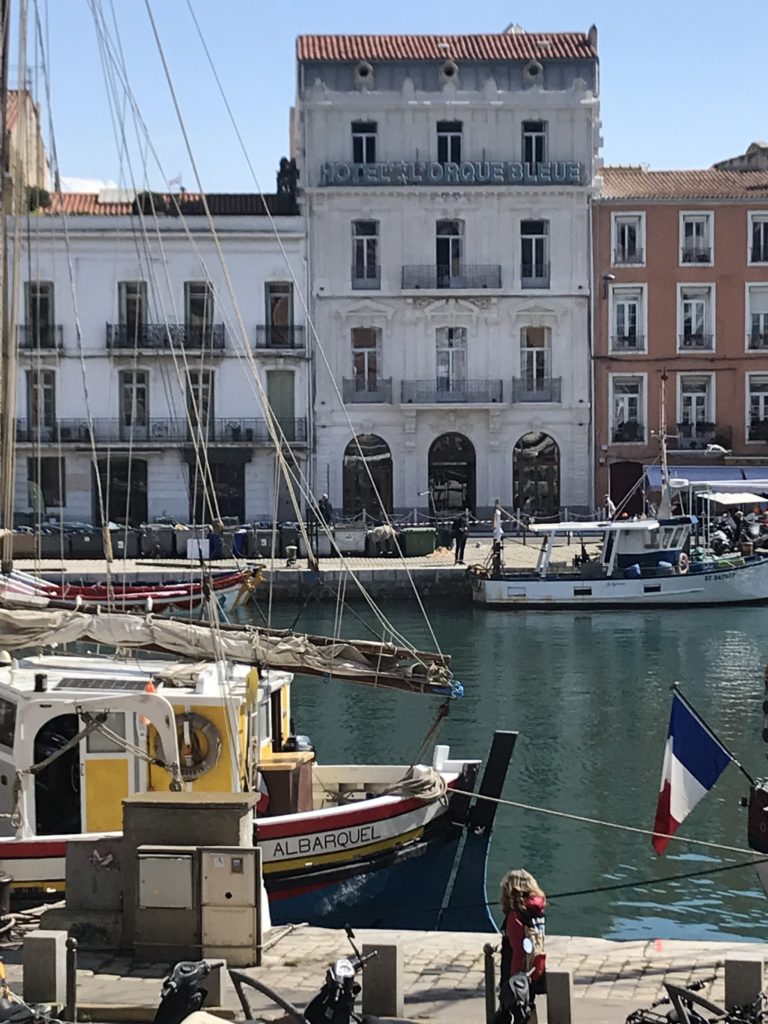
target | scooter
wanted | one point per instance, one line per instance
(335, 1002)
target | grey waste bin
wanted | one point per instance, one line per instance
(289, 537)
(54, 545)
(86, 544)
(159, 541)
(126, 544)
(262, 542)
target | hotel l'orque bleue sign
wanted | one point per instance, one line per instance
(471, 172)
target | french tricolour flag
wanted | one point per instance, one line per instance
(694, 759)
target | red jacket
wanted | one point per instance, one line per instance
(534, 908)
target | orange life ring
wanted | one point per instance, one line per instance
(683, 561)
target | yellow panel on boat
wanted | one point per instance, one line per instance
(106, 786)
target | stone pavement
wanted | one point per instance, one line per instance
(443, 973)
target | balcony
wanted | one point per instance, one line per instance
(280, 337)
(696, 254)
(465, 392)
(41, 336)
(165, 336)
(628, 343)
(757, 340)
(366, 278)
(701, 342)
(631, 432)
(625, 255)
(547, 390)
(469, 277)
(534, 275)
(693, 436)
(758, 430)
(378, 392)
(158, 431)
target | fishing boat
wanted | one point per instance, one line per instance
(639, 562)
(230, 589)
(367, 844)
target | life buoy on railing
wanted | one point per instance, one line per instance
(683, 561)
(199, 745)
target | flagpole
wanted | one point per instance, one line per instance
(676, 689)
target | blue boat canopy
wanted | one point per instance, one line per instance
(697, 473)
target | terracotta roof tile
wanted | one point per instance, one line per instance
(189, 204)
(638, 183)
(499, 46)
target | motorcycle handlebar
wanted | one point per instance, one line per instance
(363, 960)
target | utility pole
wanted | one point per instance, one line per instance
(7, 343)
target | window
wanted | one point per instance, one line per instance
(278, 304)
(364, 142)
(132, 297)
(627, 320)
(534, 143)
(535, 358)
(45, 483)
(365, 358)
(696, 317)
(365, 254)
(696, 237)
(451, 358)
(134, 398)
(758, 250)
(98, 743)
(757, 428)
(449, 142)
(198, 305)
(534, 253)
(7, 722)
(200, 400)
(627, 409)
(628, 238)
(695, 427)
(40, 331)
(449, 251)
(757, 323)
(41, 399)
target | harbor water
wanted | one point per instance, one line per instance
(590, 695)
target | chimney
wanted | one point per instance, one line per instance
(592, 37)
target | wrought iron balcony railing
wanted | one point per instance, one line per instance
(456, 392)
(628, 343)
(691, 436)
(165, 336)
(282, 336)
(627, 254)
(696, 254)
(355, 390)
(547, 390)
(42, 336)
(366, 278)
(470, 277)
(534, 275)
(160, 431)
(696, 341)
(630, 432)
(757, 340)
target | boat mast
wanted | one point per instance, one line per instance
(7, 343)
(665, 505)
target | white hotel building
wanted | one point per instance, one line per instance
(447, 182)
(133, 310)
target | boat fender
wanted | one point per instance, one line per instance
(683, 561)
(195, 761)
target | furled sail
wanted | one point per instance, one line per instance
(361, 661)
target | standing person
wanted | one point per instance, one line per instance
(325, 509)
(459, 531)
(524, 903)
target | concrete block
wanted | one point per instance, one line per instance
(44, 961)
(559, 996)
(743, 979)
(383, 989)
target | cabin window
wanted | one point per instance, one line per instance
(7, 722)
(265, 730)
(97, 743)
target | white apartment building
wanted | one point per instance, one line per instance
(129, 326)
(447, 182)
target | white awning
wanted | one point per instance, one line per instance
(733, 498)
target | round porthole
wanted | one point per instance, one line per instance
(364, 73)
(449, 71)
(533, 70)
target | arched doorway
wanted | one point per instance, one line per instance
(367, 461)
(537, 475)
(624, 479)
(451, 473)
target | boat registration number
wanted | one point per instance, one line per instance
(719, 576)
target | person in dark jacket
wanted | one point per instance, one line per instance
(325, 509)
(459, 531)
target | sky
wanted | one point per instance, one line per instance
(683, 82)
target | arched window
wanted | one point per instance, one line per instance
(367, 470)
(451, 473)
(537, 475)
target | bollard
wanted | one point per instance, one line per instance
(559, 996)
(743, 979)
(383, 994)
(489, 952)
(70, 1010)
(45, 968)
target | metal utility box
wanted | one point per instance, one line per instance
(230, 923)
(167, 914)
(166, 880)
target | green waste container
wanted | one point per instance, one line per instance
(418, 540)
